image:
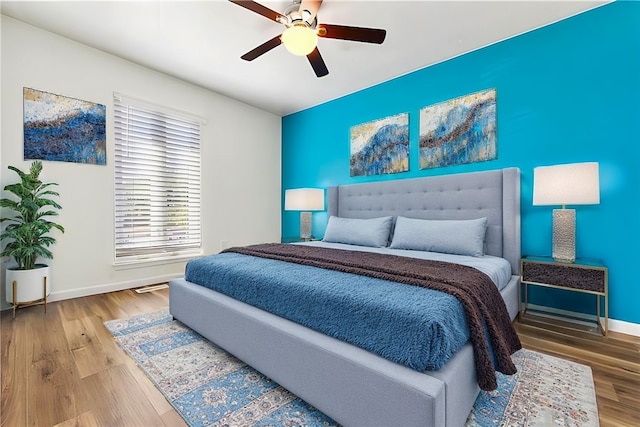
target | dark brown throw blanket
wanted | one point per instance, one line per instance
(476, 292)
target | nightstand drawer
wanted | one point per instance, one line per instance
(566, 276)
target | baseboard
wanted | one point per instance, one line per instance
(103, 289)
(614, 325)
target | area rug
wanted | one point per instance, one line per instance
(209, 387)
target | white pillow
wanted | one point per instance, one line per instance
(372, 232)
(460, 237)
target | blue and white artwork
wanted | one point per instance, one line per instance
(63, 129)
(458, 131)
(380, 146)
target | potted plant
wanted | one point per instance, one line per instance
(27, 236)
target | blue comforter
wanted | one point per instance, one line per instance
(417, 327)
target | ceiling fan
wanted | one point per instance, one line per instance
(302, 31)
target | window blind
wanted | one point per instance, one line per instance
(157, 183)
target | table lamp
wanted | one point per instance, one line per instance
(568, 184)
(304, 200)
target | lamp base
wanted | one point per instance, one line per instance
(305, 225)
(564, 235)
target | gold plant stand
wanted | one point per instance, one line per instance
(17, 304)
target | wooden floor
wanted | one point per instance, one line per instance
(65, 369)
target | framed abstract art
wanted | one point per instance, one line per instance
(380, 146)
(63, 129)
(458, 131)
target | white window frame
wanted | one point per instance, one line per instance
(157, 183)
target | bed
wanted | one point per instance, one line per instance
(354, 386)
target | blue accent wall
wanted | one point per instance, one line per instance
(566, 93)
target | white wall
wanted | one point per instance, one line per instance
(241, 158)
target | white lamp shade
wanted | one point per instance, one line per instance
(304, 199)
(570, 184)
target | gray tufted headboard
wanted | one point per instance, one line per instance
(492, 194)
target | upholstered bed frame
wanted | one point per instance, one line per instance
(351, 385)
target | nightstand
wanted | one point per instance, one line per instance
(584, 275)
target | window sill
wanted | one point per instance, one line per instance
(154, 261)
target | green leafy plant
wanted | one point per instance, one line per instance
(27, 229)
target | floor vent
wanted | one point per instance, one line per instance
(152, 288)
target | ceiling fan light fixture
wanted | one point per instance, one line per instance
(299, 39)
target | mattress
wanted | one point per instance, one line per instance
(417, 327)
(412, 325)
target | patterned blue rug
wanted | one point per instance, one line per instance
(209, 387)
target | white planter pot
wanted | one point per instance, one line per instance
(29, 284)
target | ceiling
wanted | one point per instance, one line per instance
(201, 41)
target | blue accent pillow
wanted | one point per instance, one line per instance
(460, 237)
(372, 232)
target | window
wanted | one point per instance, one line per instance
(157, 182)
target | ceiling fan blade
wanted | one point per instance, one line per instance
(259, 9)
(262, 49)
(312, 7)
(356, 34)
(317, 63)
